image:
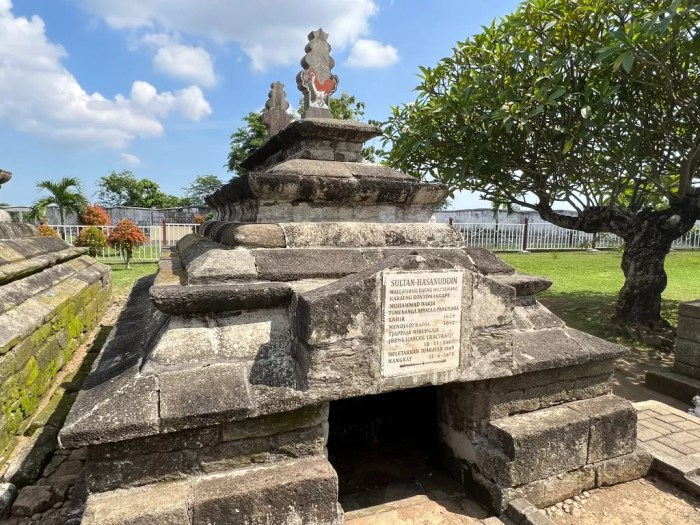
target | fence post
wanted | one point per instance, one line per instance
(526, 232)
(164, 242)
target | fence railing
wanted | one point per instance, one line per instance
(158, 237)
(546, 236)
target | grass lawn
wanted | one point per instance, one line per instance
(586, 285)
(123, 279)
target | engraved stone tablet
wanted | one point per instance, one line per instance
(422, 314)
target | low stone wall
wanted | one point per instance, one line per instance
(50, 295)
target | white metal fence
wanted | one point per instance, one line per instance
(158, 237)
(546, 236)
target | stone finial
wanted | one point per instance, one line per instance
(316, 80)
(275, 113)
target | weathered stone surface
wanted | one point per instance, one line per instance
(312, 168)
(535, 445)
(276, 424)
(35, 499)
(275, 115)
(291, 264)
(202, 396)
(253, 236)
(117, 417)
(686, 370)
(27, 466)
(199, 299)
(689, 309)
(686, 351)
(209, 262)
(303, 491)
(623, 468)
(15, 230)
(495, 302)
(159, 504)
(487, 262)
(679, 386)
(613, 429)
(551, 490)
(689, 329)
(524, 284)
(8, 493)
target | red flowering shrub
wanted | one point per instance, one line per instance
(126, 236)
(91, 238)
(95, 215)
(198, 219)
(47, 231)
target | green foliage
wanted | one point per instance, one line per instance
(91, 238)
(124, 189)
(47, 231)
(590, 102)
(66, 193)
(253, 134)
(202, 186)
(245, 140)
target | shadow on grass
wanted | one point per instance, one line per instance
(591, 312)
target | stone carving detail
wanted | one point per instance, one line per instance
(316, 81)
(275, 114)
(4, 177)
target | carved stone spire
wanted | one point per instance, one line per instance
(4, 176)
(275, 113)
(315, 80)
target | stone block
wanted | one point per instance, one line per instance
(35, 499)
(8, 493)
(613, 426)
(293, 264)
(681, 387)
(689, 309)
(302, 491)
(128, 408)
(551, 490)
(218, 265)
(493, 301)
(622, 469)
(532, 446)
(276, 424)
(253, 236)
(687, 352)
(204, 395)
(686, 370)
(159, 504)
(688, 329)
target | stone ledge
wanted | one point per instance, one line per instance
(25, 267)
(678, 386)
(16, 230)
(194, 299)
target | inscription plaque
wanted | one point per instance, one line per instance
(422, 313)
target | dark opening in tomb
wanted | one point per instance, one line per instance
(385, 448)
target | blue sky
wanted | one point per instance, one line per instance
(158, 86)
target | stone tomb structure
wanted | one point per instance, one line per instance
(50, 294)
(223, 396)
(683, 381)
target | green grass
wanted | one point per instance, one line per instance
(123, 279)
(586, 285)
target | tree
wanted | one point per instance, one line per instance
(124, 189)
(126, 236)
(253, 134)
(202, 186)
(95, 215)
(593, 103)
(66, 193)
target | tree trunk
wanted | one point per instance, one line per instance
(639, 301)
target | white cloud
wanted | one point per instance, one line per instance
(370, 53)
(193, 64)
(39, 96)
(130, 159)
(271, 32)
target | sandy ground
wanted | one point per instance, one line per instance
(648, 501)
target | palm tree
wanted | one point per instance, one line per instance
(66, 193)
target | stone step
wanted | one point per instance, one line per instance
(531, 446)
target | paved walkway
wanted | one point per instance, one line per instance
(672, 437)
